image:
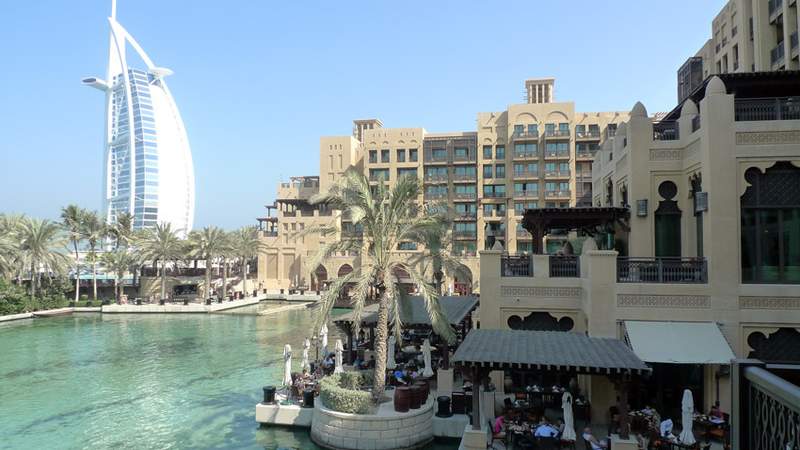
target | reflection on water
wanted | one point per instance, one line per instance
(145, 381)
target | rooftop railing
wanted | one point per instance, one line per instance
(774, 108)
(516, 266)
(666, 131)
(662, 270)
(565, 266)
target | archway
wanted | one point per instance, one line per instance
(319, 278)
(344, 270)
(540, 321)
(778, 346)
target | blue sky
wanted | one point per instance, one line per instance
(259, 82)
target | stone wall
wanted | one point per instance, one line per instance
(384, 430)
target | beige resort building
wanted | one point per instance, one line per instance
(698, 220)
(532, 155)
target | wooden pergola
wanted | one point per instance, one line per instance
(590, 220)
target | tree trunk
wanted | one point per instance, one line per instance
(163, 280)
(381, 343)
(33, 280)
(94, 276)
(224, 278)
(208, 278)
(77, 273)
(116, 289)
(244, 277)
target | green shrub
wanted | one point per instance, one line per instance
(347, 400)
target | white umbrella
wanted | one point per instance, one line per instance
(323, 340)
(304, 364)
(339, 349)
(569, 420)
(687, 417)
(287, 368)
(390, 363)
(426, 355)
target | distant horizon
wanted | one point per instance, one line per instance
(257, 91)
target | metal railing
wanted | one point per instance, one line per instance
(556, 154)
(774, 108)
(550, 194)
(776, 54)
(465, 176)
(525, 174)
(585, 153)
(469, 157)
(592, 134)
(525, 135)
(467, 215)
(565, 266)
(556, 134)
(465, 195)
(435, 195)
(695, 123)
(516, 266)
(438, 178)
(526, 194)
(526, 155)
(666, 131)
(493, 194)
(556, 173)
(662, 270)
(770, 412)
(465, 234)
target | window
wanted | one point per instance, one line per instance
(496, 209)
(580, 130)
(519, 169)
(460, 153)
(464, 172)
(439, 154)
(549, 167)
(464, 248)
(436, 191)
(594, 130)
(563, 186)
(466, 209)
(549, 128)
(385, 156)
(436, 172)
(500, 171)
(487, 152)
(557, 148)
(526, 150)
(379, 174)
(563, 168)
(533, 129)
(563, 127)
(519, 129)
(550, 187)
(401, 155)
(500, 151)
(412, 155)
(373, 156)
(487, 171)
(527, 189)
(408, 172)
(771, 226)
(466, 190)
(494, 190)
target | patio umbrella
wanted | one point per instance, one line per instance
(569, 419)
(304, 364)
(687, 417)
(323, 340)
(339, 349)
(390, 363)
(287, 368)
(426, 354)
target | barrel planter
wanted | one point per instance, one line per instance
(416, 397)
(402, 399)
(425, 389)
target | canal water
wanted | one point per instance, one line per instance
(146, 381)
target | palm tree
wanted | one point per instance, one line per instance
(228, 252)
(42, 244)
(11, 257)
(119, 262)
(246, 246)
(94, 230)
(437, 255)
(207, 244)
(122, 230)
(72, 221)
(386, 217)
(162, 244)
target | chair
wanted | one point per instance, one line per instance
(492, 437)
(587, 445)
(544, 443)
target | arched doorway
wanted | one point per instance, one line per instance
(344, 270)
(318, 280)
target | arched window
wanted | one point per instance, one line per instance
(668, 221)
(770, 210)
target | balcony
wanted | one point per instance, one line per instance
(464, 196)
(435, 158)
(557, 194)
(525, 135)
(465, 234)
(516, 266)
(525, 155)
(435, 195)
(438, 178)
(666, 131)
(377, 178)
(495, 215)
(556, 134)
(556, 174)
(556, 155)
(773, 108)
(585, 154)
(466, 215)
(464, 177)
(662, 270)
(591, 135)
(525, 174)
(565, 266)
(269, 234)
(494, 195)
(775, 9)
(776, 55)
(526, 194)
(469, 157)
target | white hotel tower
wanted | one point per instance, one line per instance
(148, 162)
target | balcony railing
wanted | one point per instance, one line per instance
(494, 195)
(465, 234)
(556, 173)
(516, 266)
(565, 266)
(467, 215)
(526, 174)
(556, 154)
(269, 233)
(662, 270)
(556, 134)
(775, 108)
(591, 134)
(695, 123)
(465, 195)
(469, 157)
(465, 177)
(435, 195)
(666, 131)
(430, 157)
(552, 194)
(526, 155)
(776, 55)
(436, 178)
(589, 154)
(519, 135)
(526, 194)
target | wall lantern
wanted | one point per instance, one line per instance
(700, 202)
(641, 208)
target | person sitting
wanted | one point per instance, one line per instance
(327, 364)
(716, 411)
(593, 442)
(507, 403)
(560, 425)
(546, 429)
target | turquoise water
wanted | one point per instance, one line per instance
(145, 381)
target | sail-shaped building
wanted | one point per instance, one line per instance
(148, 161)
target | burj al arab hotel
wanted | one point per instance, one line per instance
(148, 161)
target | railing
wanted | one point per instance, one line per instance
(556, 154)
(526, 194)
(526, 174)
(556, 173)
(465, 195)
(526, 155)
(467, 215)
(525, 135)
(769, 411)
(695, 123)
(465, 177)
(666, 131)
(550, 194)
(465, 234)
(516, 266)
(776, 54)
(269, 233)
(556, 134)
(662, 270)
(435, 195)
(494, 195)
(565, 266)
(593, 134)
(585, 153)
(436, 178)
(775, 108)
(430, 157)
(469, 157)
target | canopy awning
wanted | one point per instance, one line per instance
(455, 309)
(547, 350)
(678, 342)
